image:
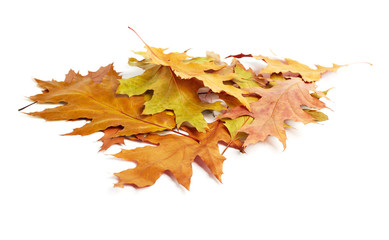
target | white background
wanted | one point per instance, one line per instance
(331, 182)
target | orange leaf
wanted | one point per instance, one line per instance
(291, 66)
(86, 99)
(186, 67)
(175, 154)
(110, 138)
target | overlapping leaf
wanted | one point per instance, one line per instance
(175, 154)
(98, 102)
(170, 92)
(165, 97)
(294, 67)
(276, 105)
(187, 67)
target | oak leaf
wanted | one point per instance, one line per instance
(291, 66)
(317, 115)
(170, 92)
(174, 153)
(235, 125)
(166, 97)
(187, 67)
(277, 104)
(245, 78)
(111, 138)
(98, 102)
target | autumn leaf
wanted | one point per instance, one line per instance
(277, 104)
(291, 67)
(99, 75)
(235, 125)
(164, 108)
(245, 78)
(186, 67)
(317, 115)
(241, 55)
(86, 99)
(170, 92)
(111, 138)
(308, 74)
(175, 154)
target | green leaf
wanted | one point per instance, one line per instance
(170, 93)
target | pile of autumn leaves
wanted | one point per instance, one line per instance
(164, 107)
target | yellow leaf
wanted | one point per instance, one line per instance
(170, 92)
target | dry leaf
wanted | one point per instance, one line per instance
(291, 66)
(86, 99)
(187, 67)
(165, 97)
(175, 154)
(277, 104)
(170, 92)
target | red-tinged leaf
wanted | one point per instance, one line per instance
(277, 104)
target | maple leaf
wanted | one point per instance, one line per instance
(170, 93)
(87, 99)
(277, 104)
(175, 154)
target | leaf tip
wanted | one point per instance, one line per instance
(119, 185)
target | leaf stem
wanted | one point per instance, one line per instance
(141, 120)
(155, 124)
(228, 145)
(233, 139)
(20, 109)
(148, 47)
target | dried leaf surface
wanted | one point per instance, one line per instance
(292, 66)
(187, 67)
(277, 104)
(86, 99)
(175, 154)
(170, 92)
(246, 107)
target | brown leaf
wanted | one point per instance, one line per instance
(110, 138)
(98, 76)
(70, 76)
(175, 154)
(86, 99)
